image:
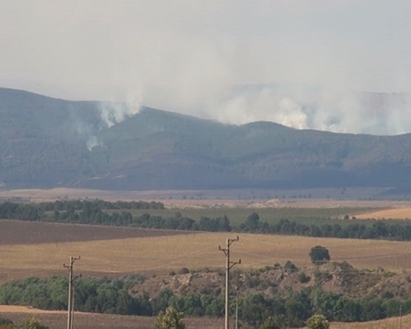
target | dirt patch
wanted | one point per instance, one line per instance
(21, 232)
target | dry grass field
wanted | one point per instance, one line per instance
(172, 252)
(58, 319)
(391, 323)
(31, 233)
(394, 213)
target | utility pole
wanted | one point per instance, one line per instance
(399, 325)
(70, 292)
(236, 309)
(228, 266)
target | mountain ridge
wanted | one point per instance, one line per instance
(47, 142)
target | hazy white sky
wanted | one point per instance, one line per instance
(185, 55)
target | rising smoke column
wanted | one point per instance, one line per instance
(316, 108)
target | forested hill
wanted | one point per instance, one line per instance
(45, 142)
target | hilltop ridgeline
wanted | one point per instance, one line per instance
(45, 142)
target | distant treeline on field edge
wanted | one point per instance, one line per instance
(96, 212)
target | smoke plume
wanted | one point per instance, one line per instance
(316, 108)
(115, 112)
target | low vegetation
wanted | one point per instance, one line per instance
(270, 295)
(31, 323)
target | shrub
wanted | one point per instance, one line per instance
(319, 255)
(184, 270)
(318, 321)
(171, 318)
(289, 267)
(303, 278)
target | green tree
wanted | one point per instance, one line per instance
(271, 322)
(6, 324)
(253, 221)
(318, 321)
(319, 255)
(170, 319)
(289, 267)
(33, 323)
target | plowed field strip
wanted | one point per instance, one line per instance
(21, 232)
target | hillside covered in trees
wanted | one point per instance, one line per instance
(283, 294)
(45, 142)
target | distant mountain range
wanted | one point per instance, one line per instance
(46, 142)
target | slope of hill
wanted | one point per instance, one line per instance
(45, 142)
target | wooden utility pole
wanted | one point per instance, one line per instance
(70, 307)
(236, 309)
(228, 266)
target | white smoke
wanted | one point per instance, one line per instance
(114, 112)
(316, 108)
(92, 142)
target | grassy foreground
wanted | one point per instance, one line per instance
(389, 323)
(57, 319)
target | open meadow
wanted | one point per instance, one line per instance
(150, 252)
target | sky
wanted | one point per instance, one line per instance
(303, 63)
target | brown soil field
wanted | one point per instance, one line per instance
(160, 254)
(22, 232)
(32, 233)
(393, 213)
(58, 319)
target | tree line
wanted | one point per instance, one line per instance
(86, 212)
(106, 295)
(355, 230)
(93, 212)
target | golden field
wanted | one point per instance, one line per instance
(394, 213)
(199, 250)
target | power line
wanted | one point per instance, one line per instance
(228, 266)
(70, 308)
